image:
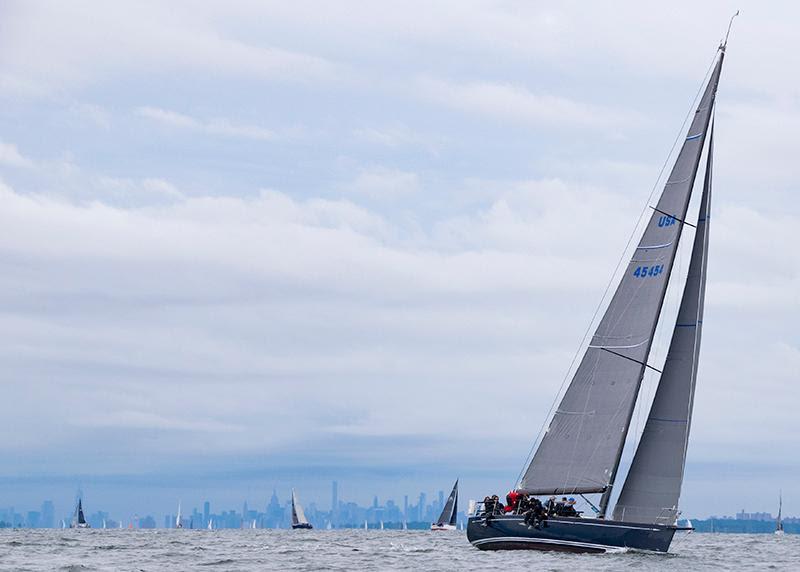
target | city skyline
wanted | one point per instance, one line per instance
(275, 513)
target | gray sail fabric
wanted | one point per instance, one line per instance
(298, 516)
(581, 449)
(653, 485)
(450, 509)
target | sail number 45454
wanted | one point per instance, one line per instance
(646, 271)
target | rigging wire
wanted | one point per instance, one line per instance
(539, 436)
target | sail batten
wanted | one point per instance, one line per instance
(653, 485)
(580, 452)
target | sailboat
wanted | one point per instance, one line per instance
(210, 524)
(779, 520)
(366, 526)
(381, 525)
(178, 520)
(405, 525)
(253, 524)
(298, 516)
(79, 521)
(580, 452)
(447, 520)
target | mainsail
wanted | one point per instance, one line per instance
(581, 450)
(79, 513)
(450, 510)
(298, 516)
(653, 485)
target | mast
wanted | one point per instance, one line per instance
(582, 448)
(653, 485)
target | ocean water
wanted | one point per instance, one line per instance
(85, 550)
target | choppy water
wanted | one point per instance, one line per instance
(85, 550)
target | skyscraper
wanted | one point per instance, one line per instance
(206, 512)
(335, 504)
(48, 518)
(405, 508)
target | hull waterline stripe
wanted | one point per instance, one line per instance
(500, 539)
(603, 524)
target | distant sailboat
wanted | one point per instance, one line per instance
(253, 524)
(366, 526)
(63, 523)
(329, 526)
(178, 520)
(447, 520)
(405, 525)
(104, 524)
(299, 519)
(210, 524)
(779, 520)
(581, 450)
(381, 525)
(79, 521)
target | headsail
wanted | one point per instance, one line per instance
(450, 509)
(581, 449)
(298, 516)
(653, 485)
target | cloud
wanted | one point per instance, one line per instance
(49, 47)
(399, 136)
(516, 104)
(440, 232)
(9, 155)
(380, 182)
(214, 127)
(146, 420)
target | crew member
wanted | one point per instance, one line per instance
(569, 508)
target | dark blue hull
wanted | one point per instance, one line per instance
(567, 534)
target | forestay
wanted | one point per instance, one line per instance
(653, 485)
(580, 451)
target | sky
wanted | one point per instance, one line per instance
(257, 245)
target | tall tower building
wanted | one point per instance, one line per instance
(335, 504)
(48, 519)
(405, 508)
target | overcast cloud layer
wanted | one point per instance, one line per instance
(263, 244)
